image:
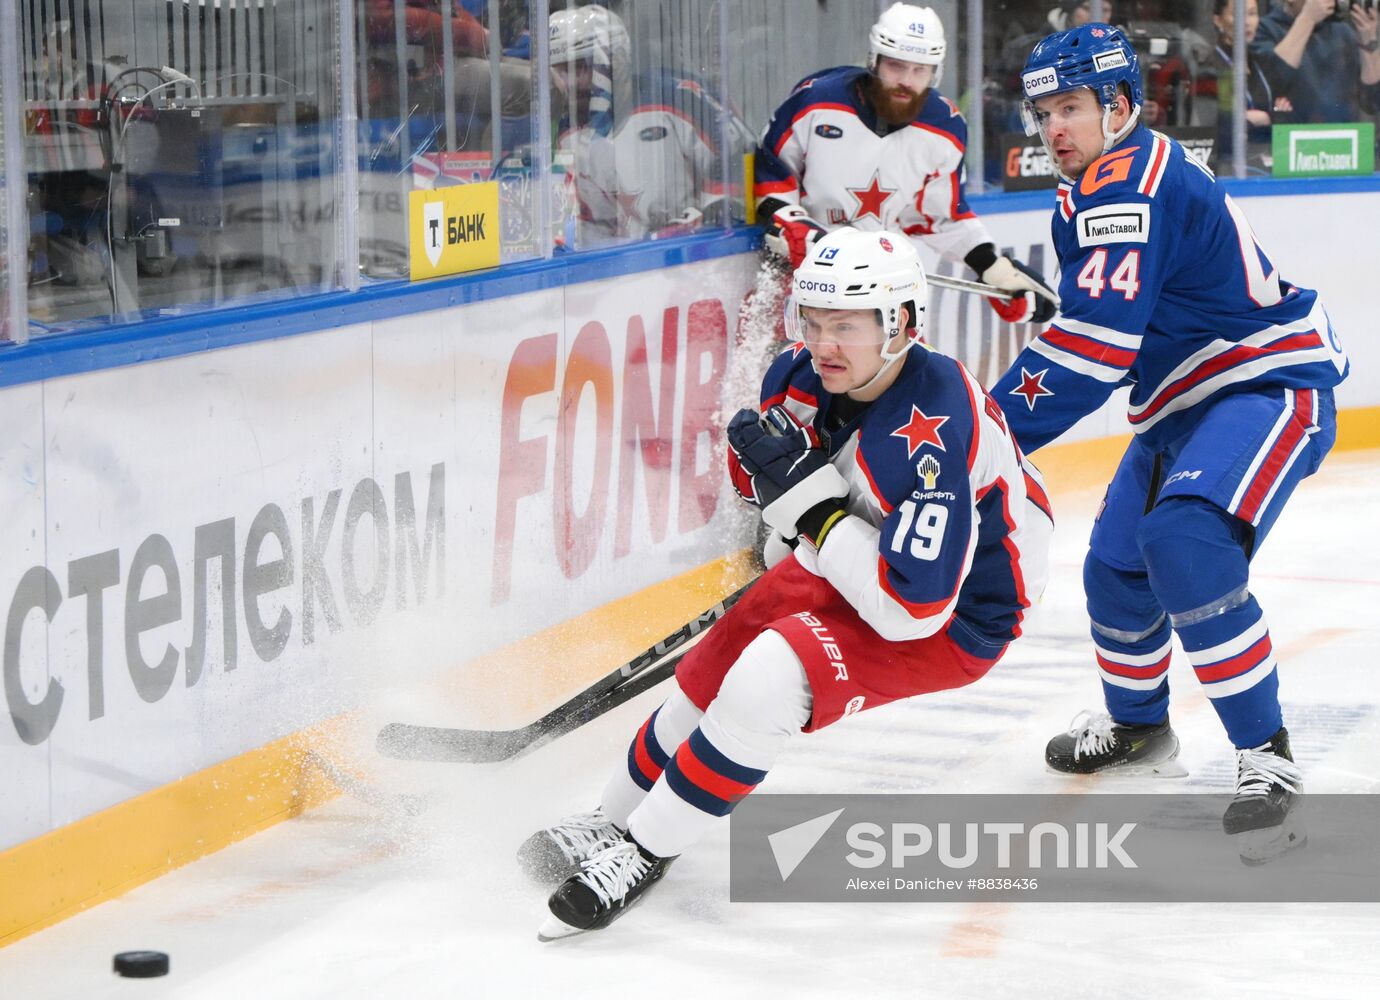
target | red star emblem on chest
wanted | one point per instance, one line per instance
(871, 198)
(796, 348)
(920, 430)
(1032, 387)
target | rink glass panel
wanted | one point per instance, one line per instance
(447, 94)
(1186, 72)
(188, 154)
(180, 154)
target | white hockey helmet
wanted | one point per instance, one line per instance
(590, 32)
(850, 269)
(908, 33)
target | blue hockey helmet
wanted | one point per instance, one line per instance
(1096, 56)
(1093, 55)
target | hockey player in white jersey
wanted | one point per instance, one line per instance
(920, 537)
(881, 148)
(644, 147)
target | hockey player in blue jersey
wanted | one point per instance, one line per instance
(881, 148)
(908, 538)
(1231, 368)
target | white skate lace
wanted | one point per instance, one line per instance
(579, 836)
(1258, 768)
(1092, 733)
(614, 870)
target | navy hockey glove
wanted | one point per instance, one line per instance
(778, 465)
(791, 233)
(1034, 302)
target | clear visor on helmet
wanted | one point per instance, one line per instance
(845, 327)
(1066, 109)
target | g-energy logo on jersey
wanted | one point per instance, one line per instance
(1040, 81)
(1123, 223)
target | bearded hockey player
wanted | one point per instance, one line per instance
(1231, 369)
(908, 537)
(881, 148)
(644, 147)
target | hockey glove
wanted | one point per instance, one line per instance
(778, 465)
(1035, 302)
(790, 234)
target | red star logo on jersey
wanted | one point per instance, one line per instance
(796, 348)
(1032, 387)
(920, 430)
(871, 198)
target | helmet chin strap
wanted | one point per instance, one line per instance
(1109, 138)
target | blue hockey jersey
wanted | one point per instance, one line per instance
(1165, 288)
(951, 527)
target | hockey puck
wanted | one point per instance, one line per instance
(141, 964)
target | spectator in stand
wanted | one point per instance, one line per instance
(1263, 107)
(1072, 13)
(1329, 68)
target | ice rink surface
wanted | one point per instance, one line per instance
(360, 900)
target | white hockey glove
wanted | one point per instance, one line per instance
(682, 225)
(790, 234)
(776, 549)
(1039, 302)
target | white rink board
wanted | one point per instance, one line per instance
(524, 408)
(300, 441)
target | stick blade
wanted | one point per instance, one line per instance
(404, 741)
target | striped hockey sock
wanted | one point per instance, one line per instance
(1235, 662)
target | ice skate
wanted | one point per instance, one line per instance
(606, 885)
(556, 853)
(1095, 743)
(1263, 818)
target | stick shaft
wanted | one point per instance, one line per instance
(645, 670)
(964, 285)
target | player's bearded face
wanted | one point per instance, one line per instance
(574, 79)
(846, 345)
(898, 89)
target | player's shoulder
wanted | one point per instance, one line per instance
(940, 115)
(1120, 194)
(833, 85)
(792, 381)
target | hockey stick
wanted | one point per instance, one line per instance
(483, 746)
(964, 285)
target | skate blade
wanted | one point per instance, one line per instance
(1259, 847)
(553, 928)
(1161, 769)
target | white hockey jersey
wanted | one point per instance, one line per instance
(826, 151)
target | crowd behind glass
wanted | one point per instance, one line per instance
(179, 155)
